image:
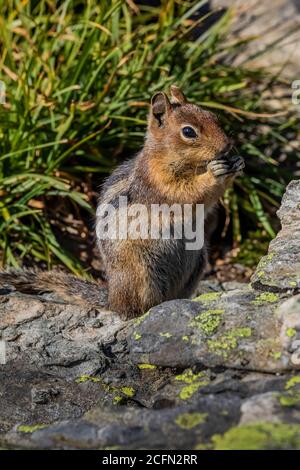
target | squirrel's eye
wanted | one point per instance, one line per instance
(189, 132)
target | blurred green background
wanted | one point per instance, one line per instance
(79, 77)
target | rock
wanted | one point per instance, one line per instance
(232, 285)
(206, 423)
(237, 329)
(273, 26)
(215, 372)
(206, 286)
(289, 314)
(14, 313)
(62, 339)
(263, 407)
(279, 271)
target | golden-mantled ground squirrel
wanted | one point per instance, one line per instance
(184, 161)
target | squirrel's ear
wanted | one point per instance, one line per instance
(160, 107)
(177, 95)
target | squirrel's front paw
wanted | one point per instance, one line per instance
(224, 167)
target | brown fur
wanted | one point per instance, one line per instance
(67, 287)
(171, 168)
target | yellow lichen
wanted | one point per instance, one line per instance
(87, 378)
(240, 333)
(291, 398)
(128, 391)
(166, 335)
(202, 446)
(259, 436)
(147, 366)
(208, 297)
(290, 332)
(193, 381)
(265, 260)
(265, 297)
(31, 428)
(276, 355)
(117, 399)
(260, 274)
(189, 377)
(227, 342)
(292, 382)
(139, 320)
(190, 420)
(208, 321)
(189, 390)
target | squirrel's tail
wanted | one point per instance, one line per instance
(68, 287)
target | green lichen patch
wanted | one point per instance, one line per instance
(146, 366)
(189, 390)
(202, 446)
(260, 274)
(208, 297)
(193, 383)
(137, 336)
(87, 378)
(290, 332)
(221, 346)
(109, 388)
(166, 335)
(139, 320)
(189, 377)
(117, 399)
(190, 420)
(208, 321)
(185, 338)
(30, 428)
(115, 394)
(245, 332)
(292, 382)
(265, 260)
(293, 283)
(265, 297)
(229, 341)
(259, 436)
(128, 391)
(291, 398)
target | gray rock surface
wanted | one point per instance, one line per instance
(215, 329)
(274, 26)
(279, 271)
(220, 371)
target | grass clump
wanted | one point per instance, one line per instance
(78, 78)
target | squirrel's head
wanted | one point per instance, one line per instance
(187, 136)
